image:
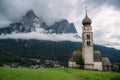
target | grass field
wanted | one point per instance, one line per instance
(55, 74)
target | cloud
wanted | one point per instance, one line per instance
(98, 3)
(106, 26)
(42, 36)
(50, 10)
(4, 22)
(105, 15)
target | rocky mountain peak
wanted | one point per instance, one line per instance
(64, 20)
(63, 26)
(30, 13)
(31, 22)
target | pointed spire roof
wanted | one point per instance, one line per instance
(86, 20)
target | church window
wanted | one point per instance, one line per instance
(88, 36)
(87, 28)
(88, 43)
(84, 28)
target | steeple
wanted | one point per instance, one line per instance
(86, 10)
(86, 20)
(87, 42)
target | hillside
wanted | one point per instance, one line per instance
(13, 50)
(55, 74)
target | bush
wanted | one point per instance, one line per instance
(80, 62)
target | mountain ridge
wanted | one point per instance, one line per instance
(30, 22)
(13, 50)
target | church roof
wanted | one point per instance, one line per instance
(78, 53)
(106, 61)
(97, 56)
(86, 20)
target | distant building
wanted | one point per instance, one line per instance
(92, 59)
(106, 64)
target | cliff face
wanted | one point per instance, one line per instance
(30, 22)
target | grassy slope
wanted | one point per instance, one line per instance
(55, 74)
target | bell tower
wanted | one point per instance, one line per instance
(87, 43)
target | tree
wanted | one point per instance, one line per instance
(116, 67)
(1, 64)
(80, 62)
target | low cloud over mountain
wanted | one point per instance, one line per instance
(33, 27)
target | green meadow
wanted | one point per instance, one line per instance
(55, 74)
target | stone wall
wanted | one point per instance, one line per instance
(73, 65)
(98, 66)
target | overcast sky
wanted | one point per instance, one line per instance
(105, 15)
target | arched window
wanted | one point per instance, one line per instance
(87, 28)
(88, 36)
(84, 28)
(88, 43)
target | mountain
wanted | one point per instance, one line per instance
(13, 50)
(30, 22)
(63, 27)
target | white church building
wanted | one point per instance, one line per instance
(92, 59)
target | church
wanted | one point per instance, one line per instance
(92, 59)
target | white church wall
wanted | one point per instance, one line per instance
(98, 66)
(72, 64)
(88, 66)
(88, 55)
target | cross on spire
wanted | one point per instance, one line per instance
(86, 10)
